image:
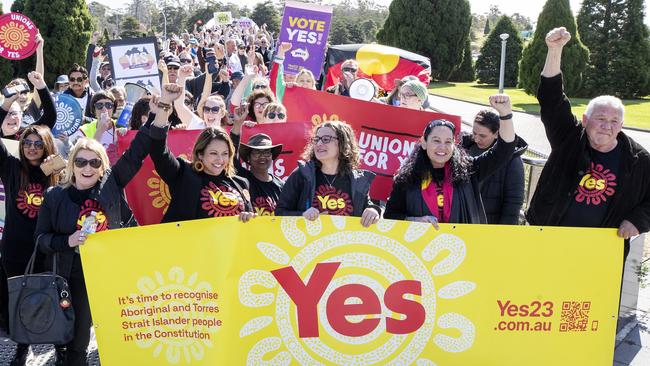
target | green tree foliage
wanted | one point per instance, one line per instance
(489, 62)
(266, 13)
(204, 14)
(437, 29)
(130, 28)
(66, 26)
(18, 6)
(556, 13)
(465, 72)
(619, 62)
(486, 29)
(105, 38)
(339, 33)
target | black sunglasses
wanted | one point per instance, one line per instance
(186, 61)
(78, 80)
(173, 67)
(38, 145)
(260, 86)
(214, 109)
(437, 123)
(81, 162)
(272, 115)
(102, 105)
(349, 69)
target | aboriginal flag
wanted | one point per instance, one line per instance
(382, 64)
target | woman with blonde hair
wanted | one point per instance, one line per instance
(274, 113)
(206, 186)
(330, 181)
(91, 188)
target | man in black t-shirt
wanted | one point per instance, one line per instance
(595, 176)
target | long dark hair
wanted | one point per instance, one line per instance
(48, 149)
(418, 166)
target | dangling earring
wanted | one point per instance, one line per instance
(198, 166)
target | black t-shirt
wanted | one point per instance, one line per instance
(86, 206)
(333, 194)
(264, 195)
(219, 197)
(595, 190)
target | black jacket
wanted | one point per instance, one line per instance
(57, 219)
(184, 183)
(48, 118)
(300, 189)
(570, 159)
(503, 192)
(466, 205)
(88, 110)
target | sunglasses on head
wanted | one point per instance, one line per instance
(81, 162)
(349, 69)
(214, 109)
(78, 80)
(37, 144)
(272, 115)
(102, 105)
(440, 122)
(260, 86)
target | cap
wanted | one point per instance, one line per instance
(260, 141)
(62, 79)
(173, 60)
(193, 41)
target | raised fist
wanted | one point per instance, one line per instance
(557, 37)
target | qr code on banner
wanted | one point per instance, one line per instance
(575, 316)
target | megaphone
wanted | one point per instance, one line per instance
(363, 89)
(133, 93)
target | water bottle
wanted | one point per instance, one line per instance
(90, 224)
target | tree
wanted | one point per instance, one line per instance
(130, 28)
(489, 62)
(437, 29)
(339, 33)
(486, 30)
(556, 13)
(18, 6)
(266, 13)
(369, 29)
(465, 71)
(105, 38)
(66, 26)
(619, 62)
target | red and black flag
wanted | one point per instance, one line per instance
(382, 64)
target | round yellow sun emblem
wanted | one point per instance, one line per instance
(14, 36)
(159, 192)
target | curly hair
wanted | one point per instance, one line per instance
(266, 93)
(348, 147)
(418, 167)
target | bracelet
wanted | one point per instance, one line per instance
(164, 106)
(506, 117)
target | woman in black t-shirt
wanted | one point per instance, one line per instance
(329, 181)
(205, 187)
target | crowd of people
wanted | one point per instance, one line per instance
(451, 177)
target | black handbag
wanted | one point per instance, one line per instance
(40, 307)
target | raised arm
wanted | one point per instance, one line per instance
(240, 90)
(185, 114)
(276, 78)
(167, 166)
(94, 69)
(40, 67)
(48, 118)
(556, 39)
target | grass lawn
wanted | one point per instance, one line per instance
(637, 111)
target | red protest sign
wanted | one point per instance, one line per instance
(17, 36)
(387, 135)
(149, 196)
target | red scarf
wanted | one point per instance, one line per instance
(433, 194)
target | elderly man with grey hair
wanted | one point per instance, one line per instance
(596, 175)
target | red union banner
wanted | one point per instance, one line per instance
(387, 135)
(17, 36)
(148, 195)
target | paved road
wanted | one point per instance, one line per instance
(528, 126)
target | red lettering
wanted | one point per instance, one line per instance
(395, 301)
(337, 310)
(306, 297)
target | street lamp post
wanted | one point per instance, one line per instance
(502, 70)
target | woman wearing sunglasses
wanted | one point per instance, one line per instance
(440, 182)
(274, 113)
(91, 188)
(11, 113)
(24, 184)
(102, 128)
(206, 186)
(330, 182)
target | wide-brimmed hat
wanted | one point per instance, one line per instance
(62, 79)
(260, 141)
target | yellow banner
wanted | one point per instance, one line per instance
(290, 292)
